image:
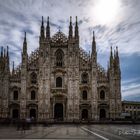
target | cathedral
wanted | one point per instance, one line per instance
(60, 81)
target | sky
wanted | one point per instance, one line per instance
(115, 23)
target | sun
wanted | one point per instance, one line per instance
(105, 11)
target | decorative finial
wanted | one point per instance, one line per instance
(93, 35)
(117, 48)
(2, 51)
(70, 19)
(13, 67)
(42, 21)
(111, 51)
(117, 51)
(114, 53)
(48, 19)
(24, 36)
(7, 51)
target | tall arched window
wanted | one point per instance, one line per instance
(102, 95)
(84, 95)
(33, 78)
(58, 82)
(33, 95)
(15, 95)
(59, 58)
(84, 78)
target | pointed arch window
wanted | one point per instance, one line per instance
(58, 82)
(33, 95)
(33, 78)
(84, 78)
(102, 95)
(59, 58)
(84, 96)
(15, 95)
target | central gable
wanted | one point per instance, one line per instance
(59, 39)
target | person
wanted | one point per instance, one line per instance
(18, 124)
(23, 125)
(28, 120)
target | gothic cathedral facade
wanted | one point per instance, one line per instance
(60, 81)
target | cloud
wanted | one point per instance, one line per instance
(131, 92)
(131, 88)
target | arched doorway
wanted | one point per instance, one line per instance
(15, 114)
(58, 111)
(33, 113)
(84, 114)
(102, 114)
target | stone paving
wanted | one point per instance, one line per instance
(74, 132)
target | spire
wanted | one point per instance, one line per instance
(94, 53)
(93, 44)
(42, 29)
(13, 70)
(24, 36)
(114, 54)
(4, 53)
(70, 28)
(111, 57)
(7, 58)
(48, 29)
(1, 51)
(7, 52)
(111, 54)
(42, 22)
(24, 44)
(76, 29)
(117, 56)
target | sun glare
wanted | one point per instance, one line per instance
(105, 11)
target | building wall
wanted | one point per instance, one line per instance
(132, 109)
(88, 92)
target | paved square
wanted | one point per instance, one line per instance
(74, 132)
